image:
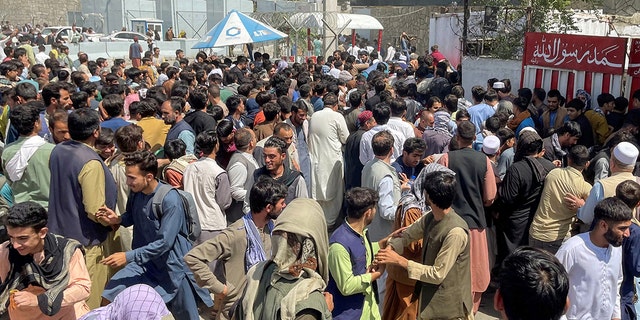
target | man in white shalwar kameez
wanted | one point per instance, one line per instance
(327, 133)
(593, 261)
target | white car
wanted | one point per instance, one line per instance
(124, 36)
(63, 34)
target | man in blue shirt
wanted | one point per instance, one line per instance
(172, 112)
(113, 105)
(410, 162)
(159, 242)
(629, 192)
(135, 53)
(485, 108)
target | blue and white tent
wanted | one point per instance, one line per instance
(238, 28)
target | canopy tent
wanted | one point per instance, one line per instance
(238, 28)
(343, 20)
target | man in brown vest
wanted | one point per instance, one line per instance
(444, 277)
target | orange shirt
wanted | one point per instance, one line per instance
(259, 118)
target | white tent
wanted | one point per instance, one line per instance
(343, 20)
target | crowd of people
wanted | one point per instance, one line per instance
(346, 187)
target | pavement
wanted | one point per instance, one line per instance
(486, 311)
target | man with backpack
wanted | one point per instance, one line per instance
(209, 185)
(164, 225)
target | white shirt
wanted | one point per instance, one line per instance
(41, 57)
(161, 79)
(353, 51)
(238, 177)
(386, 206)
(401, 126)
(201, 179)
(216, 70)
(391, 51)
(3, 43)
(335, 73)
(366, 152)
(595, 275)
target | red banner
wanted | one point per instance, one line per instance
(575, 52)
(634, 58)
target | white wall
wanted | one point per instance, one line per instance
(476, 71)
(115, 50)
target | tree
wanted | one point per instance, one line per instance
(504, 30)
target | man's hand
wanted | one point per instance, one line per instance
(220, 296)
(557, 163)
(572, 202)
(388, 256)
(25, 299)
(115, 260)
(404, 182)
(396, 234)
(376, 271)
(107, 216)
(328, 297)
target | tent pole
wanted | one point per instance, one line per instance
(353, 38)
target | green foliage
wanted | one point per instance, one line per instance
(514, 20)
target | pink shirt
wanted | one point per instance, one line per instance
(77, 291)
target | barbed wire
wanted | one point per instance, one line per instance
(402, 14)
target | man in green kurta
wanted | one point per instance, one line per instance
(25, 162)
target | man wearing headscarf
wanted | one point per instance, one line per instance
(139, 302)
(291, 284)
(239, 247)
(397, 302)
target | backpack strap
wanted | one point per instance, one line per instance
(158, 197)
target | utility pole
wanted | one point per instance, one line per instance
(465, 32)
(465, 27)
(324, 27)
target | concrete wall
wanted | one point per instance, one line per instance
(477, 71)
(412, 20)
(115, 50)
(195, 17)
(38, 11)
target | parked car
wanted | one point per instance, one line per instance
(124, 36)
(65, 34)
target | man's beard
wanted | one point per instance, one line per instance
(612, 239)
(274, 215)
